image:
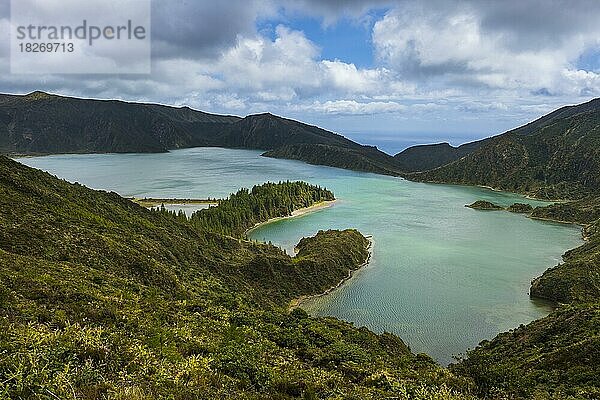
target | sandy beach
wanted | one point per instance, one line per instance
(297, 213)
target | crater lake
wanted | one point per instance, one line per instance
(442, 276)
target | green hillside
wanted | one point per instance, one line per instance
(430, 156)
(41, 123)
(556, 357)
(103, 299)
(557, 156)
(365, 158)
(267, 131)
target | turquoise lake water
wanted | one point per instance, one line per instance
(443, 277)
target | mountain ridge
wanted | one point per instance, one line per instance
(556, 156)
(42, 123)
(429, 156)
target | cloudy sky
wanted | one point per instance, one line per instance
(385, 72)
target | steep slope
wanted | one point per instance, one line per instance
(560, 114)
(577, 279)
(364, 158)
(430, 156)
(556, 156)
(43, 123)
(101, 298)
(268, 131)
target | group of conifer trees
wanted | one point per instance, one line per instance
(246, 208)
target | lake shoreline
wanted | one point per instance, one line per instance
(296, 213)
(297, 302)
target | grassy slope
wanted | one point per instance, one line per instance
(577, 280)
(556, 357)
(101, 298)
